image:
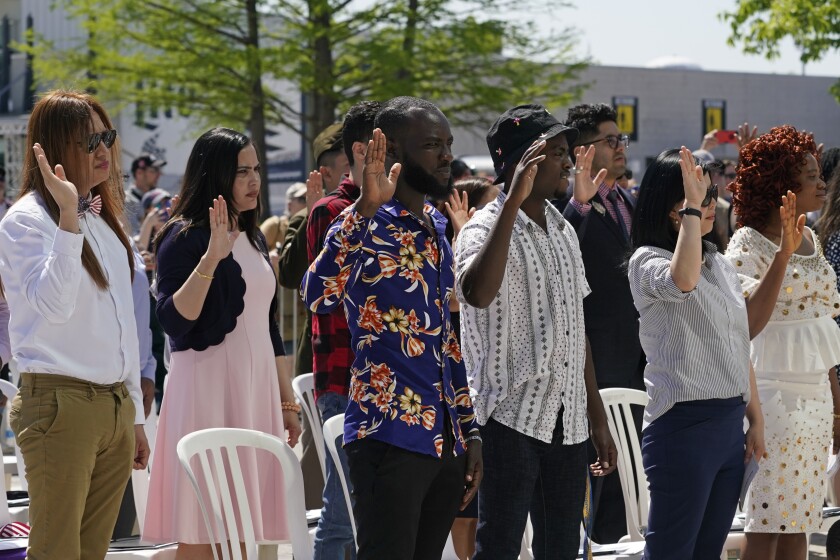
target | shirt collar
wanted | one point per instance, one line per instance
(604, 189)
(550, 211)
(396, 209)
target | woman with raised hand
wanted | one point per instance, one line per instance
(791, 296)
(216, 301)
(693, 329)
(66, 265)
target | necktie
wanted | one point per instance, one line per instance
(613, 198)
(93, 205)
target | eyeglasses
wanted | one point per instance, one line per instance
(730, 176)
(613, 141)
(108, 138)
(712, 193)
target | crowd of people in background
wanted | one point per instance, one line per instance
(463, 325)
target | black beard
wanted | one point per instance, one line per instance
(422, 181)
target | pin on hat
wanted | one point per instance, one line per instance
(516, 130)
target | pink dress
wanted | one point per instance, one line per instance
(233, 385)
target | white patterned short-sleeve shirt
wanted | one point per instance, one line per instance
(525, 353)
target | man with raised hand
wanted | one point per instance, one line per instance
(602, 214)
(521, 283)
(410, 433)
(332, 353)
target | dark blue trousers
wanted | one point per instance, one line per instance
(694, 460)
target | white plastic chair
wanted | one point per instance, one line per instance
(525, 552)
(10, 391)
(140, 478)
(634, 487)
(333, 429)
(208, 445)
(304, 388)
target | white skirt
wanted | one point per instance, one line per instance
(792, 360)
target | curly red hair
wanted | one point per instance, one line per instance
(767, 168)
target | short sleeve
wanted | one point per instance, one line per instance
(649, 272)
(580, 269)
(744, 256)
(467, 246)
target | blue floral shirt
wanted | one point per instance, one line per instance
(395, 276)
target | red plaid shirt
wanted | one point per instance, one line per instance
(332, 352)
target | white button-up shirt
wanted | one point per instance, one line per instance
(525, 353)
(60, 321)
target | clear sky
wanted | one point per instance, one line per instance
(631, 33)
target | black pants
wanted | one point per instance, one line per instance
(523, 475)
(405, 502)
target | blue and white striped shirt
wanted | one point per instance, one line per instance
(697, 343)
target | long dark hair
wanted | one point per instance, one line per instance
(661, 189)
(60, 122)
(211, 171)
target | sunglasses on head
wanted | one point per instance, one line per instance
(711, 193)
(108, 138)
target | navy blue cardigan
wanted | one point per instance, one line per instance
(177, 257)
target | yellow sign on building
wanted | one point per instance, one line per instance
(627, 115)
(714, 115)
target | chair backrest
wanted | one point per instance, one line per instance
(10, 391)
(140, 478)
(208, 445)
(634, 487)
(304, 388)
(333, 429)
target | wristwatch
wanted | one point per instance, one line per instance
(690, 212)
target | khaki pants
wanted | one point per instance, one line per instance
(77, 440)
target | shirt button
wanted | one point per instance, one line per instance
(565, 364)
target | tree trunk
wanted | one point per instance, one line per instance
(404, 74)
(256, 120)
(322, 100)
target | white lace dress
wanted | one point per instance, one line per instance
(791, 357)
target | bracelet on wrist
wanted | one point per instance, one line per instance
(290, 406)
(473, 438)
(689, 211)
(836, 416)
(205, 276)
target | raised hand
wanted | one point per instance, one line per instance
(745, 135)
(526, 171)
(64, 192)
(792, 227)
(692, 174)
(314, 190)
(377, 188)
(585, 185)
(221, 238)
(710, 141)
(458, 211)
